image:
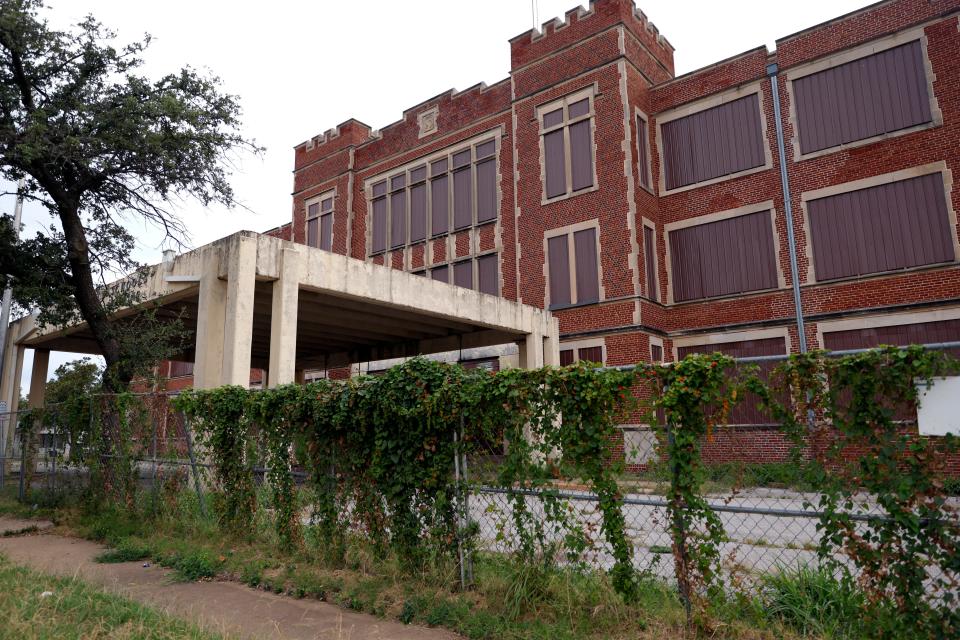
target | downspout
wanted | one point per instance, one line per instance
(787, 207)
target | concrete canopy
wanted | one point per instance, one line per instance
(258, 301)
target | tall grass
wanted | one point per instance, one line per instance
(812, 601)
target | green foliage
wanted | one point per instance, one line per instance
(127, 550)
(812, 601)
(223, 432)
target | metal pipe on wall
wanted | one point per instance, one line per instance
(787, 207)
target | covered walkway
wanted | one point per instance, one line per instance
(255, 301)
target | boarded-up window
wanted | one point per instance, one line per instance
(643, 153)
(899, 335)
(463, 274)
(439, 198)
(379, 232)
(179, 369)
(714, 142)
(585, 251)
(440, 273)
(650, 263)
(487, 274)
(418, 212)
(558, 256)
(746, 411)
(487, 364)
(566, 129)
(720, 258)
(877, 94)
(656, 352)
(326, 232)
(884, 228)
(460, 183)
(320, 223)
(566, 357)
(590, 354)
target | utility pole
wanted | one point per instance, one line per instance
(8, 293)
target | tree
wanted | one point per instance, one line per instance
(70, 396)
(100, 145)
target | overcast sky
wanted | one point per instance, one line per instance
(301, 68)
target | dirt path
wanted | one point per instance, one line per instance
(220, 606)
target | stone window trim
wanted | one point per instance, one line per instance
(702, 104)
(493, 135)
(448, 264)
(716, 217)
(591, 93)
(569, 230)
(315, 201)
(590, 343)
(647, 223)
(874, 181)
(705, 339)
(637, 116)
(849, 55)
(885, 320)
(657, 342)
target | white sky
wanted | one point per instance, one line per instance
(300, 68)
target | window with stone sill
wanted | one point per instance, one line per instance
(566, 140)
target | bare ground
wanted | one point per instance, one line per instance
(221, 606)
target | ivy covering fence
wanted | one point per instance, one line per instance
(384, 459)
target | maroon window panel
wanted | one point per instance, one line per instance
(585, 254)
(418, 212)
(898, 335)
(398, 218)
(643, 153)
(440, 205)
(463, 274)
(312, 232)
(878, 94)
(581, 155)
(656, 353)
(326, 232)
(486, 190)
(554, 164)
(566, 357)
(488, 278)
(714, 142)
(884, 228)
(462, 199)
(720, 258)
(590, 354)
(179, 369)
(440, 273)
(558, 257)
(379, 236)
(746, 411)
(650, 263)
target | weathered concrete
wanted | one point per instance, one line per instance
(212, 303)
(38, 378)
(283, 319)
(238, 329)
(219, 606)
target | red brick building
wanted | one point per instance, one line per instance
(651, 213)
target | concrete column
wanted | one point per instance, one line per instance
(283, 320)
(551, 344)
(10, 386)
(238, 326)
(531, 351)
(38, 377)
(211, 316)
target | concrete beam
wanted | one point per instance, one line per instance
(283, 320)
(38, 378)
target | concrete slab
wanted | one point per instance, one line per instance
(10, 526)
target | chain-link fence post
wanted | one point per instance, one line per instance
(21, 493)
(681, 559)
(193, 466)
(463, 508)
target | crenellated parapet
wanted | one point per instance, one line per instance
(579, 24)
(350, 133)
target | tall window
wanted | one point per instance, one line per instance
(643, 153)
(720, 258)
(573, 267)
(650, 263)
(567, 139)
(452, 190)
(320, 222)
(870, 96)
